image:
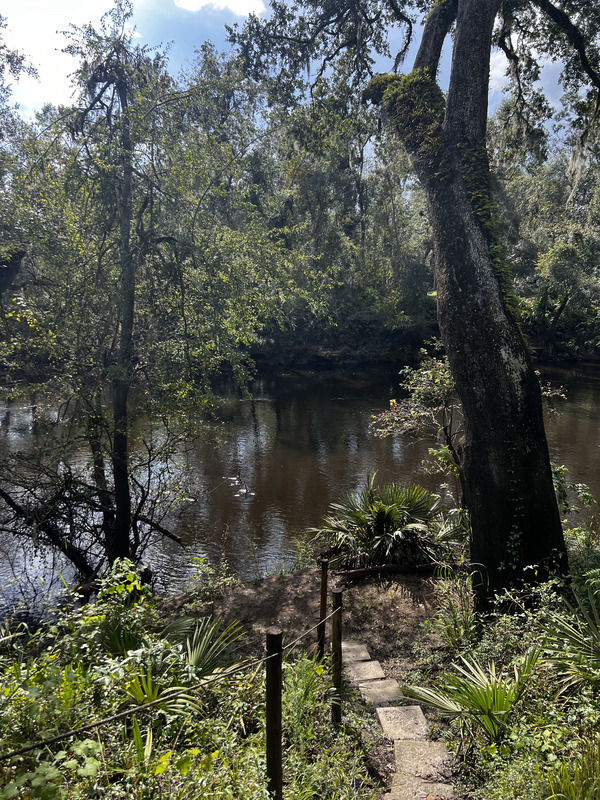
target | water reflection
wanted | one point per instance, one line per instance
(574, 430)
(295, 452)
(274, 464)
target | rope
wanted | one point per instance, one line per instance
(228, 673)
(310, 630)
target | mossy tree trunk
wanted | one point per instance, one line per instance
(516, 528)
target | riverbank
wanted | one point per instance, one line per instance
(387, 615)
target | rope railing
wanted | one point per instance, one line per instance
(224, 674)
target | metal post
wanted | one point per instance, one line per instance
(323, 612)
(336, 651)
(273, 714)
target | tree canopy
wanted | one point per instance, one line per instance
(503, 455)
(288, 199)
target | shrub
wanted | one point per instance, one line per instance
(206, 742)
(481, 696)
(394, 524)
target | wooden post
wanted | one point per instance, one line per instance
(323, 612)
(273, 714)
(336, 650)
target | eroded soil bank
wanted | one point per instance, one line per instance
(386, 613)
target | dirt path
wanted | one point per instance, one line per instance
(384, 614)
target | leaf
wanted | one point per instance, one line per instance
(90, 768)
(477, 693)
(163, 763)
(184, 763)
(207, 649)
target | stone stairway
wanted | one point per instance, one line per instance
(421, 765)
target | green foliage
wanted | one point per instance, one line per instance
(416, 107)
(431, 406)
(209, 580)
(529, 730)
(431, 403)
(584, 553)
(123, 612)
(383, 525)
(454, 620)
(579, 779)
(206, 648)
(565, 491)
(207, 741)
(481, 696)
(548, 218)
(572, 643)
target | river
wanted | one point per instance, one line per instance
(271, 468)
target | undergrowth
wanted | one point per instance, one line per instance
(203, 738)
(520, 687)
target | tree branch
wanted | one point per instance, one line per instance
(573, 34)
(467, 102)
(35, 519)
(159, 529)
(401, 17)
(437, 26)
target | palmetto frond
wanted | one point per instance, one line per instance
(572, 645)
(479, 694)
(146, 687)
(382, 525)
(207, 649)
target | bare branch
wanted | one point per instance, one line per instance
(160, 529)
(467, 102)
(37, 521)
(437, 26)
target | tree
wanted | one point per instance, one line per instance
(149, 272)
(504, 454)
(549, 212)
(12, 65)
(430, 407)
(347, 203)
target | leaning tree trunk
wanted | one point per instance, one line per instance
(516, 529)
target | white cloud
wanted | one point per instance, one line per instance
(34, 27)
(239, 7)
(135, 34)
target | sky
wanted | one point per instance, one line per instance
(34, 28)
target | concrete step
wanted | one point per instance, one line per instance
(360, 671)
(382, 692)
(409, 787)
(354, 651)
(421, 765)
(407, 722)
(429, 761)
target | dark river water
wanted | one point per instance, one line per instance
(267, 472)
(272, 469)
